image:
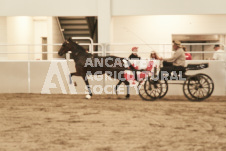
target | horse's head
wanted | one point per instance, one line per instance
(69, 45)
(66, 46)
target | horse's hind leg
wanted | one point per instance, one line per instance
(116, 87)
(87, 84)
(127, 85)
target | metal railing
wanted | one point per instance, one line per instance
(28, 53)
(105, 49)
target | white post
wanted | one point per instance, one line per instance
(28, 70)
(104, 25)
(104, 21)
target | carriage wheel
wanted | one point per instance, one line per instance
(210, 83)
(152, 90)
(196, 88)
(164, 86)
(148, 91)
(142, 91)
(186, 91)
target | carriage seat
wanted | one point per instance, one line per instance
(197, 66)
(189, 67)
(192, 67)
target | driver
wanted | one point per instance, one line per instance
(176, 62)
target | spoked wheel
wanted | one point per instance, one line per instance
(164, 85)
(197, 88)
(186, 91)
(211, 84)
(142, 91)
(149, 90)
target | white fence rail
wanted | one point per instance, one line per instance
(103, 50)
(106, 48)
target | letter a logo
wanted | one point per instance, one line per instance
(54, 70)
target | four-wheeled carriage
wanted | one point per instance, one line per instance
(195, 87)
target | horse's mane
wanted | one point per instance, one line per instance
(78, 47)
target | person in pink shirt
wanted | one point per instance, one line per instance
(187, 55)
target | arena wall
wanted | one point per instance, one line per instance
(16, 78)
(105, 9)
(118, 7)
(158, 29)
(119, 21)
(3, 35)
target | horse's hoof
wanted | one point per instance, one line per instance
(88, 96)
(127, 96)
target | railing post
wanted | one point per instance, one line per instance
(28, 70)
(104, 55)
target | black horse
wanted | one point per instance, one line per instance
(89, 64)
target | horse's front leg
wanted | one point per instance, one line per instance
(88, 87)
(73, 74)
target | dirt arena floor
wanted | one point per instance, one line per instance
(32, 122)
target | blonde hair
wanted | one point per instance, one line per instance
(184, 48)
(156, 56)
